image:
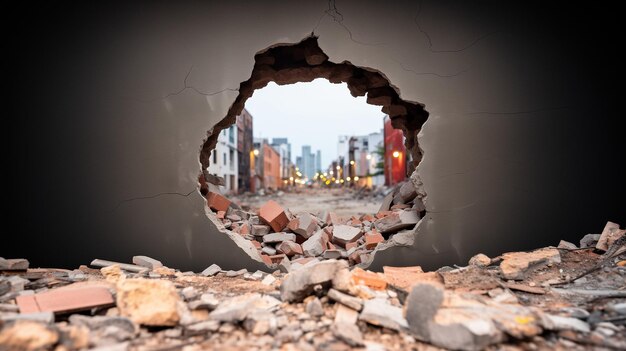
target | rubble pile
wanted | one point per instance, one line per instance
(549, 298)
(280, 238)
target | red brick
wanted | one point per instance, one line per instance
(290, 248)
(334, 219)
(373, 280)
(217, 202)
(368, 217)
(220, 214)
(256, 244)
(274, 215)
(383, 214)
(266, 259)
(331, 246)
(372, 239)
(65, 300)
(244, 229)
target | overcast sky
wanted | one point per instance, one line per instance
(314, 113)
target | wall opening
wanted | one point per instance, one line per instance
(270, 232)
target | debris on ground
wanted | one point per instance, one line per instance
(549, 298)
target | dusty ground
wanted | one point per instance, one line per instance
(344, 202)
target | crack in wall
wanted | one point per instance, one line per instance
(153, 197)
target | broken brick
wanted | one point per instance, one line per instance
(217, 202)
(352, 245)
(397, 220)
(65, 300)
(514, 265)
(610, 233)
(220, 214)
(266, 259)
(343, 234)
(290, 248)
(274, 215)
(373, 280)
(304, 225)
(277, 258)
(372, 239)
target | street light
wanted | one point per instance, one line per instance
(338, 167)
(396, 154)
(256, 152)
(369, 157)
(352, 162)
(355, 178)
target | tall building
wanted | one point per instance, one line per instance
(395, 154)
(224, 159)
(244, 149)
(318, 161)
(265, 166)
(284, 149)
(308, 162)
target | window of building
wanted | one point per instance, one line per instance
(214, 157)
(224, 159)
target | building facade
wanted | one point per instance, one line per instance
(395, 154)
(224, 159)
(244, 149)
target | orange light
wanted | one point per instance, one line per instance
(396, 154)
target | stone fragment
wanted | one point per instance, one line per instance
(514, 265)
(5, 287)
(278, 237)
(237, 308)
(147, 262)
(566, 245)
(379, 312)
(349, 333)
(17, 283)
(465, 322)
(552, 322)
(65, 300)
(610, 233)
(13, 264)
(211, 270)
(217, 202)
(148, 302)
(589, 240)
(353, 302)
(269, 250)
(27, 336)
(125, 266)
(314, 307)
(315, 245)
(268, 280)
(332, 254)
(480, 260)
(405, 194)
(343, 234)
(397, 220)
(405, 277)
(115, 329)
(41, 317)
(372, 239)
(259, 229)
(290, 248)
(232, 273)
(206, 301)
(303, 225)
(299, 284)
(274, 215)
(202, 327)
(344, 314)
(387, 200)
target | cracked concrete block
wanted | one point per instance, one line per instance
(13, 264)
(397, 220)
(405, 194)
(259, 229)
(379, 312)
(315, 245)
(274, 215)
(299, 284)
(343, 234)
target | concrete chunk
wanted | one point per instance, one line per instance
(299, 284)
(610, 233)
(211, 270)
(13, 264)
(148, 302)
(379, 312)
(343, 234)
(303, 225)
(279, 237)
(147, 262)
(397, 220)
(353, 302)
(315, 245)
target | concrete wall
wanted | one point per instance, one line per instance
(111, 104)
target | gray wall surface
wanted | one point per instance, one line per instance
(101, 143)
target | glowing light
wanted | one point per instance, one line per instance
(352, 162)
(369, 157)
(331, 173)
(291, 179)
(256, 152)
(297, 169)
(396, 154)
(328, 182)
(355, 178)
(348, 178)
(326, 174)
(338, 167)
(341, 181)
(336, 181)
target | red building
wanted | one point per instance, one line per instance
(395, 154)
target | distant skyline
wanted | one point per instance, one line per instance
(314, 114)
